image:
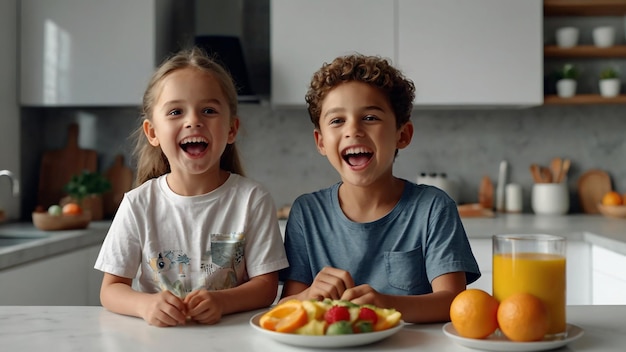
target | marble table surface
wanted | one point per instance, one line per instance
(59, 328)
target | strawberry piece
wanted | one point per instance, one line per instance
(368, 314)
(337, 313)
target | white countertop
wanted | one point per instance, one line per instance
(37, 328)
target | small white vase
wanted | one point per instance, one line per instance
(603, 37)
(566, 88)
(609, 87)
(567, 37)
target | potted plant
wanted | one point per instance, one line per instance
(86, 189)
(609, 83)
(566, 81)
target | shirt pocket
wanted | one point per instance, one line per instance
(405, 271)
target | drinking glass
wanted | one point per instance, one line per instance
(532, 264)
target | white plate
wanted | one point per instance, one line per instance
(333, 341)
(501, 343)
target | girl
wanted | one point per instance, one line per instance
(200, 240)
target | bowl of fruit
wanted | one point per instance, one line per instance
(327, 324)
(613, 205)
(71, 216)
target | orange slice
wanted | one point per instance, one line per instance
(285, 317)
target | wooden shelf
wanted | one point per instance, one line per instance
(583, 51)
(583, 99)
(584, 7)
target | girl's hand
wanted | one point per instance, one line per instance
(364, 294)
(330, 283)
(164, 309)
(203, 307)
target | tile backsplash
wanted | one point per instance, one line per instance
(277, 146)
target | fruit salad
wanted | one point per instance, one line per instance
(328, 317)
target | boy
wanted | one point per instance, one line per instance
(373, 238)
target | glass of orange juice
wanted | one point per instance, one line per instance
(532, 264)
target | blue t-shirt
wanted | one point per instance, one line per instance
(401, 253)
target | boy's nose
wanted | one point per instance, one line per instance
(353, 128)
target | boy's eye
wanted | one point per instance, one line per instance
(370, 118)
(335, 121)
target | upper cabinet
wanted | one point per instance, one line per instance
(91, 52)
(458, 53)
(305, 34)
(464, 53)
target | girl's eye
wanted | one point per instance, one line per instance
(174, 112)
(209, 111)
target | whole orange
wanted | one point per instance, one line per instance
(612, 198)
(473, 313)
(72, 209)
(523, 317)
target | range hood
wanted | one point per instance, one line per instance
(228, 51)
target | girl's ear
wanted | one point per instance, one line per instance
(319, 141)
(232, 132)
(148, 130)
(405, 134)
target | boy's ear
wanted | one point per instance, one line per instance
(148, 130)
(319, 141)
(405, 134)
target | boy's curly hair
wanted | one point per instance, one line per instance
(372, 70)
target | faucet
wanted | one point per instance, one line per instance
(15, 184)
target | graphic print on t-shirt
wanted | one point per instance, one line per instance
(221, 266)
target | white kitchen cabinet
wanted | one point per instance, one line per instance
(457, 52)
(578, 272)
(90, 52)
(464, 53)
(609, 276)
(67, 279)
(305, 34)
(481, 247)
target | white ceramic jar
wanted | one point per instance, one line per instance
(550, 198)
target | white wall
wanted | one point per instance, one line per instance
(10, 115)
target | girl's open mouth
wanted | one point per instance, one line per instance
(194, 146)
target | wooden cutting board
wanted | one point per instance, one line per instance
(121, 178)
(592, 186)
(58, 167)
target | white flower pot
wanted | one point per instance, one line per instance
(567, 37)
(604, 36)
(609, 87)
(566, 88)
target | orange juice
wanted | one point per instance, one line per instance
(540, 274)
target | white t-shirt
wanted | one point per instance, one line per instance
(215, 241)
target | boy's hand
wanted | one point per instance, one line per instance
(164, 309)
(364, 294)
(203, 307)
(330, 283)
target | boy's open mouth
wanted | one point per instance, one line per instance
(357, 156)
(194, 145)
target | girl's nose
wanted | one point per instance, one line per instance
(193, 121)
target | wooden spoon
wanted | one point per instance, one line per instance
(564, 170)
(546, 174)
(536, 173)
(556, 165)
